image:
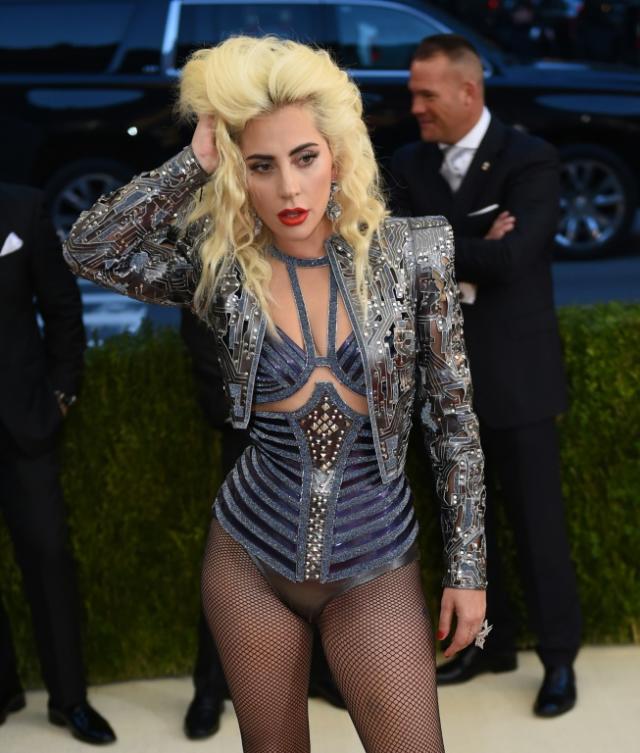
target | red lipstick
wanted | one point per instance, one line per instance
(295, 216)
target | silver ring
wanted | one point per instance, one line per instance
(481, 635)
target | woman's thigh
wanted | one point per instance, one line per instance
(379, 643)
(264, 647)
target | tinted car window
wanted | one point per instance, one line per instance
(203, 25)
(376, 37)
(141, 50)
(61, 37)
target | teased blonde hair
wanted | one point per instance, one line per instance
(241, 79)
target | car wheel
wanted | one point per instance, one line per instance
(598, 201)
(78, 185)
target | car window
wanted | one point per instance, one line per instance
(61, 37)
(203, 25)
(378, 37)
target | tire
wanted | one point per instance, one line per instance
(78, 185)
(599, 198)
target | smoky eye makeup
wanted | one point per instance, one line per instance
(259, 166)
(308, 157)
(304, 159)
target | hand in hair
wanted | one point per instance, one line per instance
(203, 143)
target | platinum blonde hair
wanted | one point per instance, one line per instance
(241, 79)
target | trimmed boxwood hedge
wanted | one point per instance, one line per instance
(141, 469)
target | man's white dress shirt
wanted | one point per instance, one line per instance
(455, 164)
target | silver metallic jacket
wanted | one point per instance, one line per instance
(135, 242)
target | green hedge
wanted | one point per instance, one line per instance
(141, 469)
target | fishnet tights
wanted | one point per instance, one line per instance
(379, 644)
(377, 639)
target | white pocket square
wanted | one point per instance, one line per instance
(12, 243)
(484, 210)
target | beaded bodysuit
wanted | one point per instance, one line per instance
(306, 499)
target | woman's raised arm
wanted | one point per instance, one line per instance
(134, 241)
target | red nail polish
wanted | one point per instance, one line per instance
(441, 634)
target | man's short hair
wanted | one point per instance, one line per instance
(453, 46)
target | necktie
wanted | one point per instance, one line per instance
(451, 169)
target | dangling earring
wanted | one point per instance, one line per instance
(334, 210)
(257, 223)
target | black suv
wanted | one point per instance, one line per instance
(88, 86)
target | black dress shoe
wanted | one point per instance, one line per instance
(473, 661)
(203, 716)
(84, 723)
(558, 692)
(12, 700)
(327, 689)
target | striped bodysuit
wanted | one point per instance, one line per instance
(305, 499)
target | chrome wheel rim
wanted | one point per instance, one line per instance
(592, 205)
(79, 194)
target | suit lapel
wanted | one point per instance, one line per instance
(235, 315)
(388, 293)
(479, 171)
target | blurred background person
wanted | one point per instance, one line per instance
(39, 378)
(499, 189)
(203, 715)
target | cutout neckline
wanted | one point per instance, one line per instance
(303, 350)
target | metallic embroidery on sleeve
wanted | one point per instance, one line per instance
(130, 241)
(445, 395)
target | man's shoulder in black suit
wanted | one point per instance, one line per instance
(513, 141)
(20, 207)
(411, 154)
(525, 145)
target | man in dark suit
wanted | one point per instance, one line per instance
(203, 715)
(39, 378)
(499, 188)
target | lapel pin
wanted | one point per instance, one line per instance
(485, 166)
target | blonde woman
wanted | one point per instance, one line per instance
(330, 318)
